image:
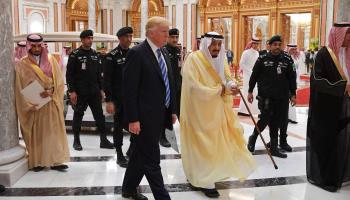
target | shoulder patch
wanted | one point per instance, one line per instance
(114, 52)
(75, 51)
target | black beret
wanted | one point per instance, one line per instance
(174, 31)
(86, 33)
(275, 38)
(125, 30)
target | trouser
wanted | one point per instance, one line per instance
(284, 122)
(95, 104)
(118, 126)
(272, 113)
(145, 161)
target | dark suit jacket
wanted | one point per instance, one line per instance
(144, 90)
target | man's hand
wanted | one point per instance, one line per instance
(174, 118)
(293, 100)
(103, 96)
(46, 93)
(134, 128)
(110, 107)
(33, 107)
(250, 97)
(234, 90)
(223, 90)
(348, 88)
(73, 98)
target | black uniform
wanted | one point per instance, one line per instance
(113, 69)
(276, 78)
(84, 76)
(174, 54)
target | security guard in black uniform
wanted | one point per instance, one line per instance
(276, 77)
(113, 69)
(174, 53)
(84, 80)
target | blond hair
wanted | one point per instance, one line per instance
(156, 21)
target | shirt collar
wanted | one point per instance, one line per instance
(153, 46)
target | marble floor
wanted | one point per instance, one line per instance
(94, 175)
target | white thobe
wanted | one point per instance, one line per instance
(247, 63)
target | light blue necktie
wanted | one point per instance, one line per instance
(163, 69)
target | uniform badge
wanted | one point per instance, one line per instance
(279, 70)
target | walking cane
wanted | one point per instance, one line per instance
(257, 128)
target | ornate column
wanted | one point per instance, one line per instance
(144, 17)
(235, 26)
(179, 18)
(13, 165)
(189, 25)
(343, 13)
(92, 15)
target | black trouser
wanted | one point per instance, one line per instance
(272, 113)
(95, 104)
(118, 126)
(284, 123)
(178, 101)
(145, 161)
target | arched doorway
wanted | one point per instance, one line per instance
(77, 14)
(155, 8)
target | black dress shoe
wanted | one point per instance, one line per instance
(38, 168)
(59, 167)
(285, 146)
(2, 188)
(164, 142)
(211, 193)
(121, 160)
(251, 143)
(106, 144)
(135, 196)
(276, 152)
(291, 121)
(77, 146)
(243, 114)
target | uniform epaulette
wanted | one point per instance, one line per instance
(75, 51)
(262, 56)
(287, 56)
(114, 51)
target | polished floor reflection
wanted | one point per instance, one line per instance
(94, 175)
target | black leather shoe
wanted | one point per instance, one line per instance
(59, 167)
(77, 146)
(135, 196)
(38, 168)
(251, 143)
(211, 193)
(106, 144)
(164, 142)
(121, 160)
(2, 188)
(285, 146)
(291, 121)
(278, 154)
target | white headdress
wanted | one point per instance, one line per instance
(218, 62)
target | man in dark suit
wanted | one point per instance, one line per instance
(150, 107)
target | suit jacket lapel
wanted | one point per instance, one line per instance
(154, 60)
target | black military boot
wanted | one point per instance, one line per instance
(2, 188)
(251, 142)
(163, 141)
(284, 145)
(121, 160)
(76, 143)
(274, 150)
(105, 143)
